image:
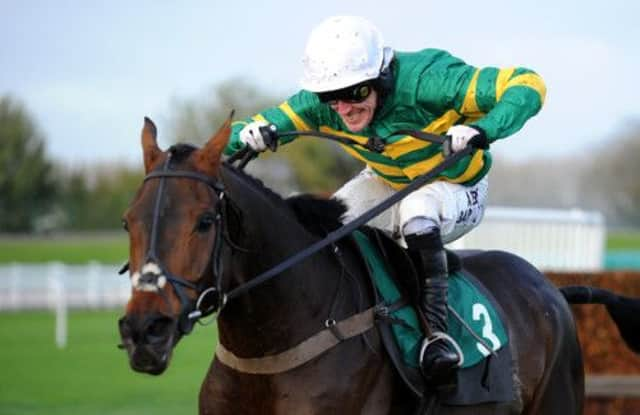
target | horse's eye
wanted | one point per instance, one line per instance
(125, 225)
(205, 222)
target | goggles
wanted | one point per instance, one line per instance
(352, 94)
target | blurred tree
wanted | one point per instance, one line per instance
(534, 182)
(95, 198)
(27, 182)
(195, 120)
(75, 199)
(610, 182)
(605, 179)
(319, 166)
(310, 164)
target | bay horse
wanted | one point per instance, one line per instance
(199, 228)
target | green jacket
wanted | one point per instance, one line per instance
(433, 90)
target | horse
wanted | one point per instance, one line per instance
(200, 228)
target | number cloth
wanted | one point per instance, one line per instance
(464, 297)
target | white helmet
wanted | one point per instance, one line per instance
(343, 51)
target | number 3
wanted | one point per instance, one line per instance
(480, 312)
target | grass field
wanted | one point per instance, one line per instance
(113, 249)
(623, 241)
(91, 376)
(108, 249)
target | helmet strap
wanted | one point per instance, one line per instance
(383, 84)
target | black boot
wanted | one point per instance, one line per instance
(439, 359)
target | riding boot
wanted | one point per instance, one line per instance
(439, 358)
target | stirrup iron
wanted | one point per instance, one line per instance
(441, 336)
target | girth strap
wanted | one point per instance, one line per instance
(305, 351)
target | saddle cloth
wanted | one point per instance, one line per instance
(466, 300)
(484, 376)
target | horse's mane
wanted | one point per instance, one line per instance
(317, 215)
(256, 184)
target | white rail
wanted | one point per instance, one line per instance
(58, 287)
(46, 286)
(551, 239)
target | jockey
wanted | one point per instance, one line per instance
(356, 87)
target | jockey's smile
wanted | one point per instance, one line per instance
(356, 115)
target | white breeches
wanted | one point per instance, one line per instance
(454, 208)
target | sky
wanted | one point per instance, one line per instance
(89, 71)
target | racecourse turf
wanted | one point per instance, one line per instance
(107, 249)
(112, 248)
(91, 375)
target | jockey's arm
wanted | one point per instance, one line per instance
(498, 101)
(300, 112)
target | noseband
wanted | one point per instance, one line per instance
(154, 275)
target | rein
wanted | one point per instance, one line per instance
(192, 311)
(374, 143)
(350, 327)
(271, 136)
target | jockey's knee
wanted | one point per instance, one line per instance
(422, 233)
(419, 225)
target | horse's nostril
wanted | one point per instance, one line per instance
(159, 329)
(124, 327)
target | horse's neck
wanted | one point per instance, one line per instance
(270, 316)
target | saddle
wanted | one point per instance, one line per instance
(483, 382)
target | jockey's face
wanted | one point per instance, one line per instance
(356, 115)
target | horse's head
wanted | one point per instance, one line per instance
(172, 235)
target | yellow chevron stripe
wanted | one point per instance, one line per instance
(408, 144)
(395, 185)
(298, 122)
(531, 80)
(476, 164)
(359, 139)
(417, 169)
(405, 145)
(259, 117)
(442, 124)
(501, 81)
(421, 167)
(469, 105)
(243, 123)
(383, 168)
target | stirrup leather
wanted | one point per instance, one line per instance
(438, 336)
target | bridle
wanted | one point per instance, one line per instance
(156, 276)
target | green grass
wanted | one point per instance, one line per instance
(623, 241)
(91, 376)
(113, 249)
(70, 250)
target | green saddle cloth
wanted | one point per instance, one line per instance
(464, 297)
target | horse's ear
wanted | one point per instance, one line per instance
(209, 156)
(150, 149)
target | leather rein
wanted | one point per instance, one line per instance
(211, 298)
(271, 135)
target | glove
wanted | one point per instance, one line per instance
(251, 136)
(461, 135)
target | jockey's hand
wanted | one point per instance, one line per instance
(251, 135)
(461, 135)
